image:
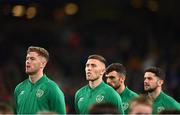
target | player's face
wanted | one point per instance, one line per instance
(114, 79)
(34, 63)
(141, 109)
(94, 69)
(150, 82)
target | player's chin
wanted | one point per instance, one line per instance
(146, 88)
(27, 72)
(110, 84)
(88, 78)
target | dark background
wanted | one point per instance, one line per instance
(136, 33)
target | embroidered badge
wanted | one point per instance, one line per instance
(39, 93)
(125, 106)
(99, 98)
(159, 109)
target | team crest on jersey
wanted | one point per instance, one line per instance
(99, 98)
(39, 93)
(125, 106)
(161, 108)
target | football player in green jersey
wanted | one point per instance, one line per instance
(115, 77)
(153, 80)
(38, 92)
(96, 91)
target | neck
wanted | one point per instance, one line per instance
(95, 83)
(35, 77)
(121, 89)
(155, 93)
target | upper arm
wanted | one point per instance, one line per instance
(116, 100)
(56, 99)
(76, 102)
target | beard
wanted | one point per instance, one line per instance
(115, 86)
(150, 90)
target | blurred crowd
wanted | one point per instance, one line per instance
(67, 63)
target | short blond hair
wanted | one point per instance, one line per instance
(98, 57)
(41, 51)
(140, 100)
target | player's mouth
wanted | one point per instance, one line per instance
(27, 66)
(88, 73)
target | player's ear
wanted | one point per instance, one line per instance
(43, 62)
(160, 82)
(103, 71)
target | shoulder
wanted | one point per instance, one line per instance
(20, 87)
(132, 93)
(108, 88)
(110, 91)
(52, 86)
(21, 84)
(82, 89)
(111, 95)
(49, 82)
(168, 98)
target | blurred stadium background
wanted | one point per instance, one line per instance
(136, 33)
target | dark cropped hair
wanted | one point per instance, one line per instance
(116, 67)
(98, 57)
(41, 51)
(157, 71)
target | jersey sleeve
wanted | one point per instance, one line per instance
(15, 97)
(76, 102)
(116, 100)
(15, 100)
(56, 99)
(173, 104)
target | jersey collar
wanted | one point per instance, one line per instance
(42, 79)
(98, 87)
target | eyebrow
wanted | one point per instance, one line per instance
(110, 76)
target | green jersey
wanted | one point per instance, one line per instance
(44, 95)
(86, 97)
(163, 101)
(126, 96)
